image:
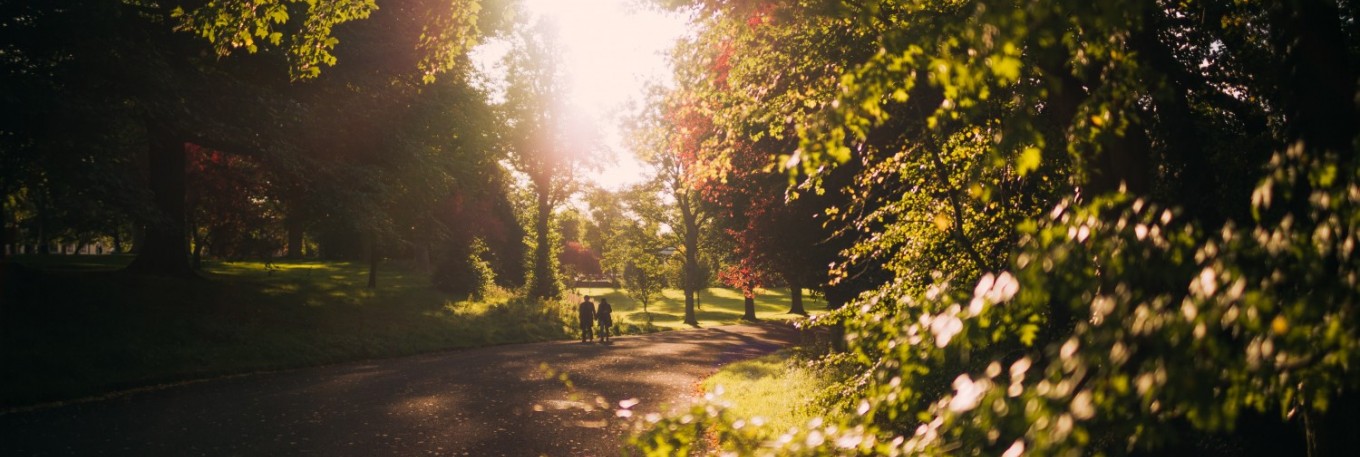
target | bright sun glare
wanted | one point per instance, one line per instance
(612, 48)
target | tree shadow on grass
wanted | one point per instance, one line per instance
(655, 317)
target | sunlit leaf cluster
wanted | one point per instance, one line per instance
(304, 29)
(1078, 227)
(237, 24)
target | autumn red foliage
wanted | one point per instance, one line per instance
(580, 258)
(231, 210)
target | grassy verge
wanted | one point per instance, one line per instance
(776, 392)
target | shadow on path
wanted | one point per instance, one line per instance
(505, 400)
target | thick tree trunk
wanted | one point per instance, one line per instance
(44, 243)
(1320, 77)
(294, 226)
(543, 285)
(796, 297)
(373, 259)
(1192, 173)
(691, 267)
(5, 240)
(420, 256)
(750, 306)
(837, 337)
(1123, 163)
(198, 254)
(1320, 101)
(165, 250)
(836, 297)
(117, 240)
(1333, 432)
(689, 308)
(691, 279)
(138, 232)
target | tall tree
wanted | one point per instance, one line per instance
(546, 142)
(668, 135)
(748, 81)
(638, 250)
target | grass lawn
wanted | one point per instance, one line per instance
(716, 307)
(75, 326)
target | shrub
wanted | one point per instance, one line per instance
(464, 272)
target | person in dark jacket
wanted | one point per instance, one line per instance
(604, 315)
(587, 313)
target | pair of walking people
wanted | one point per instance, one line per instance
(589, 315)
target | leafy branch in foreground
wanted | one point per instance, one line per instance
(1082, 346)
(1100, 227)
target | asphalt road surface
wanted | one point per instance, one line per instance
(504, 400)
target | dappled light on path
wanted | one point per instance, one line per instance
(490, 401)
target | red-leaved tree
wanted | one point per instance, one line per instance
(231, 210)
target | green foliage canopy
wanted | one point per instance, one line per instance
(1155, 201)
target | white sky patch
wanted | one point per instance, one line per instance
(612, 49)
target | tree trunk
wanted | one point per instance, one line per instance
(117, 240)
(1320, 77)
(198, 253)
(837, 297)
(690, 277)
(837, 337)
(294, 226)
(796, 296)
(421, 257)
(689, 308)
(1193, 174)
(750, 305)
(165, 249)
(5, 239)
(138, 232)
(44, 244)
(196, 259)
(543, 285)
(1333, 432)
(1123, 163)
(373, 259)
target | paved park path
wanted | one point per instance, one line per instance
(479, 402)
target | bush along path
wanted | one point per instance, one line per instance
(557, 398)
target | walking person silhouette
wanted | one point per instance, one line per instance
(605, 317)
(586, 311)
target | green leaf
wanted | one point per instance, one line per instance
(1029, 333)
(1006, 68)
(1029, 160)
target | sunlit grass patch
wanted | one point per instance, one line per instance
(717, 306)
(780, 389)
